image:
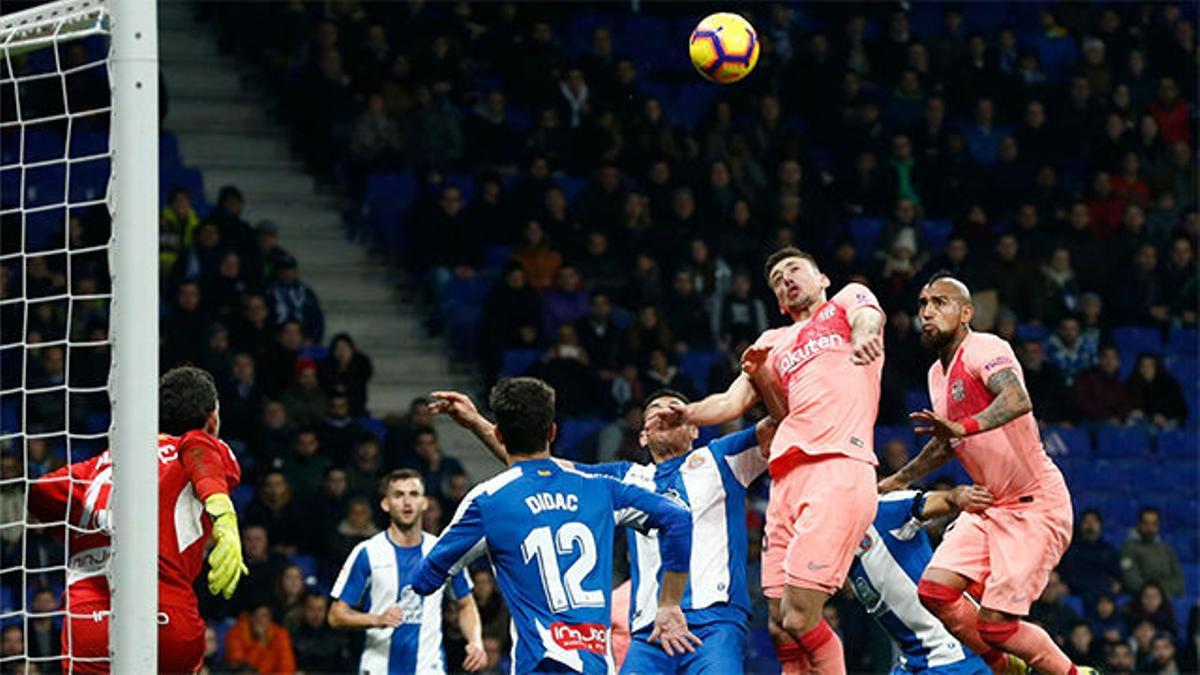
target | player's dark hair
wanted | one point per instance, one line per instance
(186, 397)
(524, 409)
(783, 254)
(666, 393)
(398, 474)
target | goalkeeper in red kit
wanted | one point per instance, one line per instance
(196, 472)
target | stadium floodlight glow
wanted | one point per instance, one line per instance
(58, 161)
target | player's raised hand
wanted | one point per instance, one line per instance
(971, 498)
(673, 413)
(671, 630)
(753, 359)
(936, 425)
(455, 405)
(392, 617)
(475, 658)
(865, 348)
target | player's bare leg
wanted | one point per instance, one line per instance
(803, 618)
(941, 592)
(792, 659)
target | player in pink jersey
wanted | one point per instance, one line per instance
(828, 365)
(982, 413)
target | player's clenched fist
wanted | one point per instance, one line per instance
(226, 567)
(866, 348)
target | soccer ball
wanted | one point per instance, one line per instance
(724, 47)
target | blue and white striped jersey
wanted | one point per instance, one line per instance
(549, 533)
(890, 560)
(712, 481)
(379, 570)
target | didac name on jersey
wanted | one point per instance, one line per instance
(551, 501)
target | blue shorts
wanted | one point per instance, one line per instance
(722, 651)
(972, 665)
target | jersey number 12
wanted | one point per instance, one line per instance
(564, 591)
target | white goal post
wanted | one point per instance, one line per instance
(133, 197)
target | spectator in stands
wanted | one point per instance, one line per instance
(1015, 278)
(223, 291)
(1151, 604)
(1070, 351)
(1120, 659)
(200, 260)
(1156, 396)
(288, 601)
(177, 223)
(42, 639)
(375, 142)
(894, 456)
(339, 433)
(253, 331)
(1180, 281)
(283, 518)
(227, 214)
(1046, 387)
(660, 373)
(218, 358)
(357, 526)
(305, 467)
(259, 644)
(1083, 647)
(1146, 558)
(1162, 653)
(1099, 395)
(566, 367)
(1060, 285)
(294, 300)
(564, 303)
(401, 430)
(259, 267)
(1139, 297)
(1171, 112)
(346, 370)
(647, 333)
(13, 642)
(435, 467)
(743, 316)
(598, 335)
(600, 267)
(363, 473)
(510, 318)
(185, 329)
(686, 316)
(1091, 566)
(305, 402)
(318, 647)
(536, 256)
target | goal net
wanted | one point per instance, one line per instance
(61, 275)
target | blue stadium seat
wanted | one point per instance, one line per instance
(375, 427)
(89, 143)
(573, 432)
(41, 146)
(1119, 511)
(89, 179)
(1133, 340)
(917, 399)
(45, 185)
(1032, 331)
(316, 352)
(1071, 442)
(1075, 604)
(1185, 543)
(936, 232)
(95, 422)
(571, 186)
(517, 361)
(497, 256)
(168, 149)
(1184, 341)
(695, 364)
(242, 496)
(865, 234)
(1191, 579)
(1179, 443)
(1122, 442)
(307, 564)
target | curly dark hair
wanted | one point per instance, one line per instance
(186, 397)
(524, 409)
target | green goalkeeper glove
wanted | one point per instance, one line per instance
(225, 561)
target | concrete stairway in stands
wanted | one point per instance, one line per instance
(225, 129)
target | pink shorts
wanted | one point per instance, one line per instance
(820, 509)
(1012, 549)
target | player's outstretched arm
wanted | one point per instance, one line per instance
(866, 334)
(935, 453)
(459, 543)
(1010, 402)
(766, 385)
(969, 498)
(460, 408)
(713, 409)
(472, 629)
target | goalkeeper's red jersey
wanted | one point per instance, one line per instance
(190, 469)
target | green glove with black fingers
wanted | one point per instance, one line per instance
(226, 567)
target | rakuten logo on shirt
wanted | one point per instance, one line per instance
(591, 637)
(808, 351)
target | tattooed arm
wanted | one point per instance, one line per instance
(1011, 402)
(935, 453)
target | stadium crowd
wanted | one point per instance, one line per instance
(578, 207)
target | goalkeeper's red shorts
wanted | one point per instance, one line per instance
(180, 640)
